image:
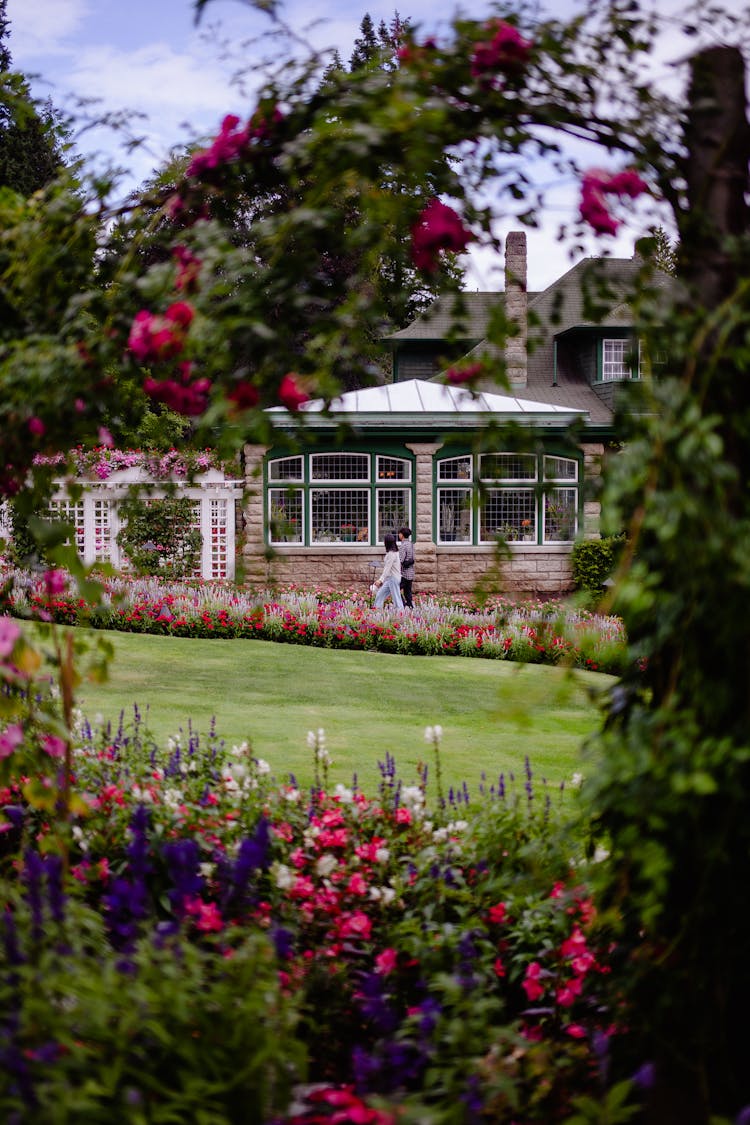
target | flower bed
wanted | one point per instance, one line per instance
(535, 632)
(229, 942)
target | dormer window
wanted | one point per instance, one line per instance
(617, 360)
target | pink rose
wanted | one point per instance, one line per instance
(438, 228)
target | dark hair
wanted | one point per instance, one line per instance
(389, 541)
(405, 531)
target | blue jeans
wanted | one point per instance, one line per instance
(390, 586)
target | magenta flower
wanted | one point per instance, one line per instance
(55, 582)
(36, 426)
(154, 338)
(438, 228)
(596, 185)
(456, 376)
(385, 962)
(507, 51)
(230, 143)
(53, 745)
(10, 739)
(9, 634)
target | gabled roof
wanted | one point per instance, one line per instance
(457, 316)
(420, 404)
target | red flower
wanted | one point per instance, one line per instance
(497, 913)
(530, 984)
(458, 375)
(291, 394)
(437, 228)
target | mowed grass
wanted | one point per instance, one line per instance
(369, 704)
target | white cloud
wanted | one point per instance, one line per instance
(40, 27)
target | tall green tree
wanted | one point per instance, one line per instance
(30, 136)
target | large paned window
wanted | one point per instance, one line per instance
(320, 499)
(517, 497)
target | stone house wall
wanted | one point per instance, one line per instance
(528, 570)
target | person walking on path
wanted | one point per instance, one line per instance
(390, 577)
(406, 557)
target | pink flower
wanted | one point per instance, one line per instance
(356, 885)
(153, 338)
(507, 51)
(10, 739)
(36, 426)
(530, 984)
(499, 968)
(207, 916)
(9, 634)
(567, 994)
(385, 962)
(356, 925)
(291, 394)
(188, 269)
(575, 1031)
(244, 395)
(437, 228)
(53, 745)
(55, 582)
(597, 184)
(403, 816)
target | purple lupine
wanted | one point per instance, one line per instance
(55, 893)
(32, 876)
(13, 953)
(373, 1003)
(283, 940)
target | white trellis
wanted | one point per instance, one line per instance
(96, 520)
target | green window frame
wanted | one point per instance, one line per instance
(517, 497)
(337, 498)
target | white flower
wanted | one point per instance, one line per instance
(385, 895)
(458, 826)
(141, 794)
(346, 796)
(173, 744)
(326, 864)
(576, 780)
(206, 869)
(412, 795)
(310, 835)
(382, 855)
(261, 766)
(172, 798)
(316, 740)
(283, 876)
(241, 749)
(433, 734)
(292, 795)
(600, 854)
(440, 835)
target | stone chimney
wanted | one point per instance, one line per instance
(516, 301)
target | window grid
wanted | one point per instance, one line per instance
(339, 466)
(285, 468)
(454, 515)
(393, 509)
(507, 466)
(560, 468)
(560, 515)
(455, 468)
(285, 511)
(614, 353)
(393, 468)
(339, 515)
(218, 520)
(509, 514)
(195, 524)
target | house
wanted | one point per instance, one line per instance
(419, 451)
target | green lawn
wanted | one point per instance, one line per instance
(492, 713)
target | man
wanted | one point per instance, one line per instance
(406, 555)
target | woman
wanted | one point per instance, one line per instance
(390, 578)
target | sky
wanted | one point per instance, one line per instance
(148, 57)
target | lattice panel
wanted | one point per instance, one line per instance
(285, 508)
(285, 468)
(507, 466)
(70, 511)
(340, 515)
(393, 510)
(560, 515)
(454, 515)
(218, 520)
(340, 466)
(455, 468)
(393, 468)
(102, 519)
(508, 513)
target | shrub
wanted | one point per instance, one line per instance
(159, 537)
(593, 560)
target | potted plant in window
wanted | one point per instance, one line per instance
(348, 532)
(526, 533)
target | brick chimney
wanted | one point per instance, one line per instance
(516, 302)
